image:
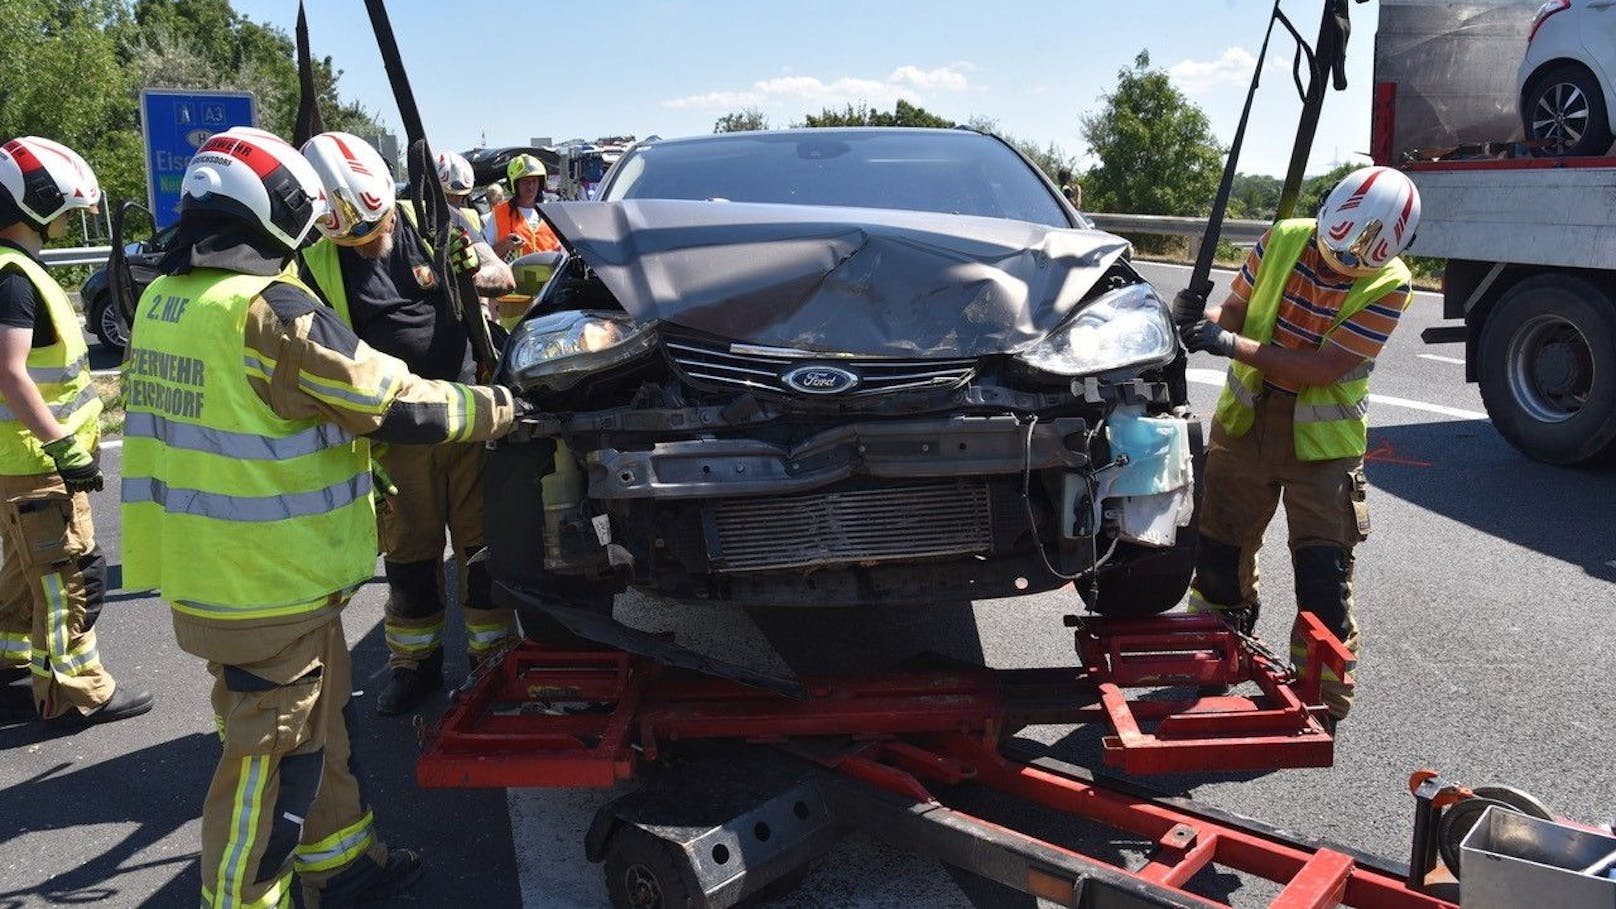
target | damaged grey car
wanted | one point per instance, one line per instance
(841, 367)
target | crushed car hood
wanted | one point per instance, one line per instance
(861, 281)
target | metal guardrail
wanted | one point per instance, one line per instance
(78, 255)
(1233, 232)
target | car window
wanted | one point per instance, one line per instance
(962, 173)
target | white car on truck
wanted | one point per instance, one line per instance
(1529, 236)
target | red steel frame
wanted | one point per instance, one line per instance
(547, 717)
(1186, 842)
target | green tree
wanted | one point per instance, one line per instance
(741, 121)
(1254, 196)
(1155, 150)
(903, 114)
(72, 70)
(205, 44)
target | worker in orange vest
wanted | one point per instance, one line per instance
(515, 229)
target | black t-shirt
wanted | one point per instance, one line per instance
(398, 307)
(20, 306)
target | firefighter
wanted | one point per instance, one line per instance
(54, 575)
(247, 505)
(454, 174)
(514, 227)
(1304, 322)
(374, 269)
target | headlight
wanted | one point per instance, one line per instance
(1130, 326)
(558, 349)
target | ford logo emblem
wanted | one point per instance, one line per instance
(820, 380)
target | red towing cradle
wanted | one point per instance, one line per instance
(742, 788)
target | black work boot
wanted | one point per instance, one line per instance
(408, 686)
(365, 883)
(121, 706)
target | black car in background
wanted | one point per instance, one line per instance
(843, 367)
(100, 312)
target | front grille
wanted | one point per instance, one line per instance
(718, 365)
(863, 526)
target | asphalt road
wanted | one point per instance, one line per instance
(1485, 593)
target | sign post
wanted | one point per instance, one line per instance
(174, 124)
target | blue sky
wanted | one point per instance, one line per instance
(511, 71)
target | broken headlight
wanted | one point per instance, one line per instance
(558, 349)
(1129, 326)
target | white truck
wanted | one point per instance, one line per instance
(1529, 238)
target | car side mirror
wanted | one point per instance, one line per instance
(533, 270)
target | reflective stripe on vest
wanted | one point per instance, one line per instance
(61, 372)
(1330, 420)
(231, 511)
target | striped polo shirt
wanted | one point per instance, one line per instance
(1312, 297)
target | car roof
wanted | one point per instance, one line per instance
(822, 132)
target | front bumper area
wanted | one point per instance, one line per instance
(912, 449)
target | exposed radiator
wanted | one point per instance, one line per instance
(838, 528)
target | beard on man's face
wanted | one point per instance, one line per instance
(378, 248)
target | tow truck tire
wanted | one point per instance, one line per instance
(643, 872)
(1547, 358)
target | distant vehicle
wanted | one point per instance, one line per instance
(488, 164)
(100, 314)
(1566, 77)
(842, 367)
(1526, 238)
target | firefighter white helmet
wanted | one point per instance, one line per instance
(454, 172)
(46, 178)
(358, 186)
(1367, 220)
(255, 176)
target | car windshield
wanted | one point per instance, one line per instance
(918, 170)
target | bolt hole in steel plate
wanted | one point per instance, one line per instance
(1461, 818)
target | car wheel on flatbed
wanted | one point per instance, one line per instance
(1564, 104)
(1547, 357)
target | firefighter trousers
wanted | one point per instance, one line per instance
(52, 584)
(1326, 513)
(439, 487)
(286, 797)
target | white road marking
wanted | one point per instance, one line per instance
(1441, 359)
(1215, 377)
(111, 443)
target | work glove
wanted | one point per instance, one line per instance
(1210, 337)
(78, 466)
(519, 404)
(463, 251)
(1188, 308)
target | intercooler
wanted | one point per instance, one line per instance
(850, 527)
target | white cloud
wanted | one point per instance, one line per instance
(906, 83)
(943, 78)
(1232, 68)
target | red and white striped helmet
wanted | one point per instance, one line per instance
(256, 176)
(358, 186)
(46, 178)
(454, 172)
(1367, 220)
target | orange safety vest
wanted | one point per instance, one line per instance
(507, 221)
